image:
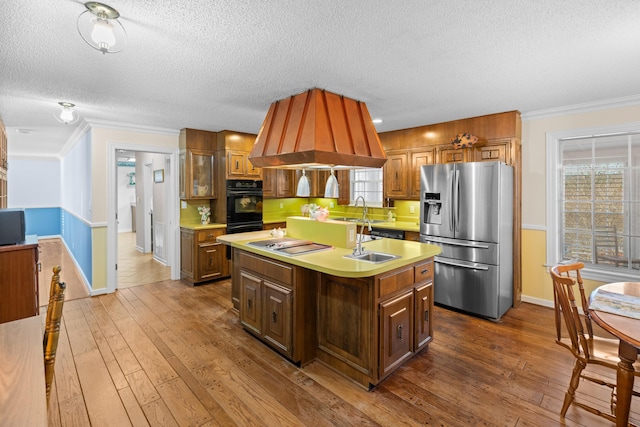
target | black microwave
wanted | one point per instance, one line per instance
(12, 226)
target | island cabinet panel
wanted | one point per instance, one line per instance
(396, 332)
(345, 325)
(277, 304)
(424, 303)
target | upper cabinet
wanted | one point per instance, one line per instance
(278, 183)
(197, 164)
(237, 146)
(402, 172)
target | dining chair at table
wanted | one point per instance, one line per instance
(578, 337)
(52, 326)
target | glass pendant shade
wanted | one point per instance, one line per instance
(331, 190)
(304, 189)
(99, 28)
(67, 114)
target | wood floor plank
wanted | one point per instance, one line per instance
(131, 405)
(158, 414)
(183, 404)
(66, 377)
(142, 388)
(101, 397)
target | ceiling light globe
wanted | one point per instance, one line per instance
(102, 34)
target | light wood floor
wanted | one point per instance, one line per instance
(137, 268)
(167, 354)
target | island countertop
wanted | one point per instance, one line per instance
(332, 261)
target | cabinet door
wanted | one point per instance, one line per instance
(423, 313)
(182, 162)
(251, 171)
(187, 260)
(395, 175)
(450, 155)
(278, 316)
(492, 152)
(235, 164)
(285, 183)
(269, 186)
(418, 159)
(202, 174)
(211, 257)
(250, 302)
(396, 330)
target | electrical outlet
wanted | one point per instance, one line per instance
(281, 205)
(183, 204)
(331, 204)
(412, 209)
(352, 235)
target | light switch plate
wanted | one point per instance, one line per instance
(412, 209)
(183, 204)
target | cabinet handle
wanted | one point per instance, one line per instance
(274, 317)
(400, 331)
(249, 303)
(209, 236)
(426, 315)
(237, 165)
(424, 271)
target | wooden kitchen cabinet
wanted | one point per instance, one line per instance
(239, 166)
(396, 183)
(396, 308)
(197, 164)
(277, 303)
(202, 258)
(19, 285)
(493, 152)
(402, 172)
(447, 154)
(278, 183)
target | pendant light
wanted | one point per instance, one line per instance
(303, 186)
(331, 190)
(67, 114)
(99, 28)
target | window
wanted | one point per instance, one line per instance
(367, 182)
(593, 209)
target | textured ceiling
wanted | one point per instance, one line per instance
(218, 65)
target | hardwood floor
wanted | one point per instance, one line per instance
(168, 353)
(137, 268)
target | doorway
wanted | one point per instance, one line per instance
(132, 256)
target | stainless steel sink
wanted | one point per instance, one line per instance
(344, 218)
(374, 257)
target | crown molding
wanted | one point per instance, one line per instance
(583, 108)
(105, 124)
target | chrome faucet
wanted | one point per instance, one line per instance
(358, 249)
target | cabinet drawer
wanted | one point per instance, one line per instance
(274, 270)
(395, 281)
(208, 235)
(424, 272)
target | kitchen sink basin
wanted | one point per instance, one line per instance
(374, 257)
(359, 220)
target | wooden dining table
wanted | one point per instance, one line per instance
(619, 316)
(23, 400)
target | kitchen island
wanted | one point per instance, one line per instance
(363, 319)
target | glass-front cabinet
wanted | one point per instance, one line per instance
(197, 177)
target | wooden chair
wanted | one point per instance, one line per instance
(585, 346)
(52, 326)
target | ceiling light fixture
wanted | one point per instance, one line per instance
(67, 114)
(99, 28)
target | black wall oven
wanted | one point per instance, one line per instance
(244, 206)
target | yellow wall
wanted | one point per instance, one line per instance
(536, 282)
(99, 258)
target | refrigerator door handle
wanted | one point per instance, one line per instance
(456, 201)
(470, 265)
(451, 199)
(448, 242)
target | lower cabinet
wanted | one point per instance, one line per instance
(276, 303)
(19, 286)
(202, 258)
(389, 318)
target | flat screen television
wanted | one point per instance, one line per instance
(11, 226)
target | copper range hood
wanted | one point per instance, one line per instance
(318, 129)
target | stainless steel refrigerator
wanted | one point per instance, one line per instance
(467, 210)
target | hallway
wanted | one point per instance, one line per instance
(134, 268)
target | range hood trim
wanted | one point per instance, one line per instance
(318, 129)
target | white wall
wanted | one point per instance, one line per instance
(126, 196)
(76, 179)
(34, 182)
